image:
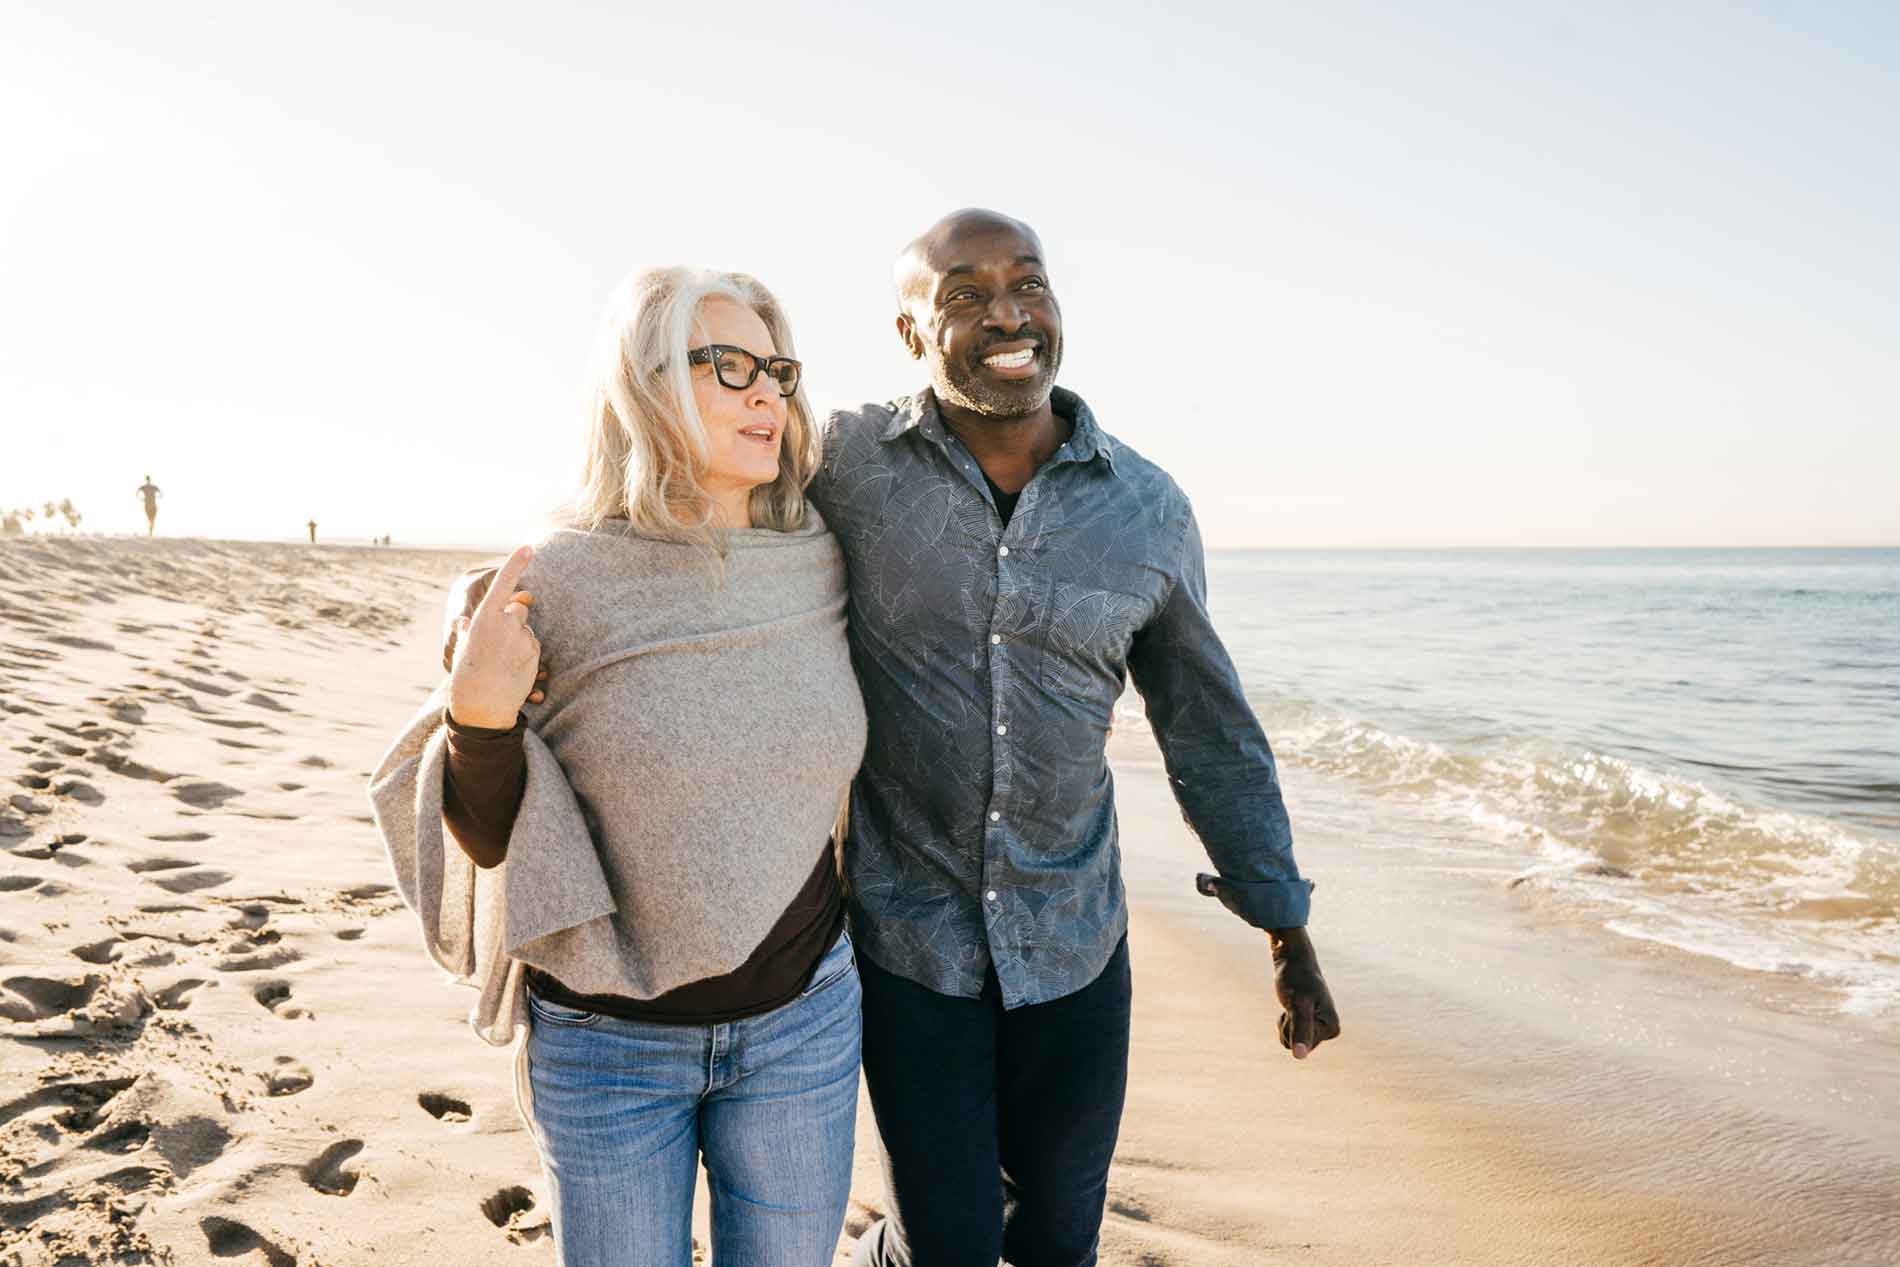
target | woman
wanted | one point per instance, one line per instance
(641, 873)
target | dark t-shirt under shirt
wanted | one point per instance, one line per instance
(1005, 502)
(481, 794)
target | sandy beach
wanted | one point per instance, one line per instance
(221, 1041)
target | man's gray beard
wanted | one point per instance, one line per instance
(984, 398)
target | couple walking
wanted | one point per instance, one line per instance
(619, 818)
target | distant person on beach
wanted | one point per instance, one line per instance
(668, 920)
(150, 492)
(312, 525)
(1011, 565)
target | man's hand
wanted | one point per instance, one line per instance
(494, 668)
(1308, 1017)
(473, 588)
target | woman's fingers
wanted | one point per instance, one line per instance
(502, 592)
(496, 666)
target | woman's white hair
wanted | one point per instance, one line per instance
(646, 443)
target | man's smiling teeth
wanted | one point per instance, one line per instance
(1010, 360)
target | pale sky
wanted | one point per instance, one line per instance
(1466, 274)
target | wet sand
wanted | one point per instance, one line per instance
(221, 1042)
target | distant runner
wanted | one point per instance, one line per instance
(149, 491)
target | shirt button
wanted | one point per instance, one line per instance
(1002, 552)
(995, 815)
(995, 639)
(991, 895)
(1002, 730)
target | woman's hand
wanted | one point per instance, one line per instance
(496, 653)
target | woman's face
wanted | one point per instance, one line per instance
(743, 428)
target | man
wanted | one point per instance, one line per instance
(1010, 562)
(149, 491)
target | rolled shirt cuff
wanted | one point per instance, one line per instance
(1271, 903)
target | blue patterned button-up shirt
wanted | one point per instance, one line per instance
(983, 825)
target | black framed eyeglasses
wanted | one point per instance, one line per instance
(737, 368)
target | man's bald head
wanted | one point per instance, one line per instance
(932, 252)
(974, 303)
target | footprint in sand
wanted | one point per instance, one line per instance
(81, 791)
(18, 883)
(130, 1179)
(57, 850)
(193, 880)
(445, 1108)
(100, 952)
(142, 865)
(331, 1173)
(38, 782)
(288, 1078)
(181, 837)
(81, 1103)
(505, 1204)
(177, 994)
(348, 934)
(205, 794)
(275, 998)
(37, 998)
(512, 1210)
(260, 962)
(121, 764)
(127, 1137)
(227, 1238)
(250, 915)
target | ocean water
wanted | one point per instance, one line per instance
(1698, 747)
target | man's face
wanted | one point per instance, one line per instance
(983, 315)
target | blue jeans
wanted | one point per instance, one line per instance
(622, 1111)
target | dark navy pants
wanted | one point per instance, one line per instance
(998, 1126)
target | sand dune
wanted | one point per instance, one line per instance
(221, 1042)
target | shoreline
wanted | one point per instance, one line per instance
(1618, 1071)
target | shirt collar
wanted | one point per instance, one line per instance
(1086, 442)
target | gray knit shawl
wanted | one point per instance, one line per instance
(697, 741)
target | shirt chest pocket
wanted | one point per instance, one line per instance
(1085, 644)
